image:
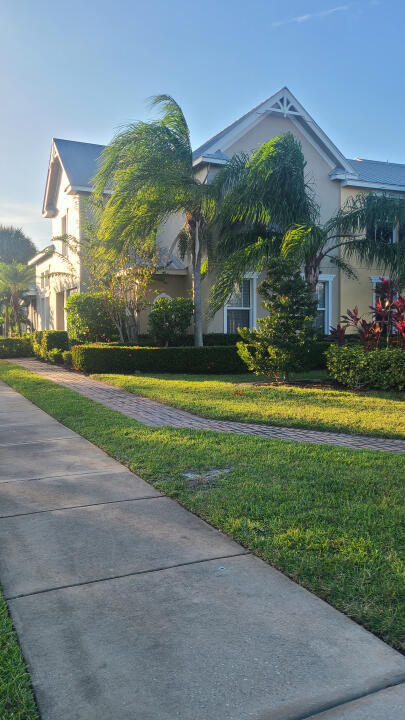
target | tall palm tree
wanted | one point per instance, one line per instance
(258, 199)
(148, 172)
(266, 207)
(14, 281)
(15, 246)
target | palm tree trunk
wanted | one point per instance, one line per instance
(198, 334)
(6, 321)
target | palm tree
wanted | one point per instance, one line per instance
(14, 281)
(148, 171)
(15, 246)
(259, 198)
(357, 231)
(266, 208)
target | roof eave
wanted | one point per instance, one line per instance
(208, 160)
(348, 182)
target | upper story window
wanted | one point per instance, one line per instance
(65, 231)
(387, 233)
(45, 278)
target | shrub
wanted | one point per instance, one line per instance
(55, 356)
(188, 340)
(169, 320)
(88, 319)
(283, 340)
(54, 339)
(15, 347)
(102, 359)
(315, 357)
(355, 367)
(67, 359)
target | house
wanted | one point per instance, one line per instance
(333, 176)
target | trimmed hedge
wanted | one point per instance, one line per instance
(15, 347)
(67, 359)
(381, 369)
(54, 339)
(44, 341)
(55, 356)
(104, 359)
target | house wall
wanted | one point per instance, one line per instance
(326, 191)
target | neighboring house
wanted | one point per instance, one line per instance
(334, 178)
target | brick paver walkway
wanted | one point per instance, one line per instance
(156, 414)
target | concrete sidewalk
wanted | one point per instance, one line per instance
(128, 606)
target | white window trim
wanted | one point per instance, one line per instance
(375, 279)
(328, 278)
(253, 303)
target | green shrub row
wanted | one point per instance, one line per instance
(15, 347)
(44, 342)
(109, 359)
(355, 367)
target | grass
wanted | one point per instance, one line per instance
(379, 414)
(330, 518)
(16, 697)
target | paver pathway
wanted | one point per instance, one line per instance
(128, 607)
(151, 412)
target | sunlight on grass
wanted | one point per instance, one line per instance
(230, 398)
(330, 518)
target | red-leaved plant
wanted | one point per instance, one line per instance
(387, 320)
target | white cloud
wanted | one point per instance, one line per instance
(311, 16)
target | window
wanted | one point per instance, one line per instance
(324, 315)
(65, 231)
(238, 311)
(321, 320)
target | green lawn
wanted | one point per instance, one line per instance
(16, 697)
(331, 518)
(374, 413)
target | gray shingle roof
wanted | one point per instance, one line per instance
(376, 171)
(79, 160)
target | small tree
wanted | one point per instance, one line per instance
(169, 320)
(122, 279)
(88, 319)
(283, 339)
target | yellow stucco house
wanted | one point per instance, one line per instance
(333, 177)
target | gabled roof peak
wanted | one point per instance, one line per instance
(283, 103)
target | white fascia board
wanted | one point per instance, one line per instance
(207, 160)
(72, 189)
(372, 185)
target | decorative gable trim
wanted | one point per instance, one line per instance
(285, 104)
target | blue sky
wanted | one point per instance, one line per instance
(81, 69)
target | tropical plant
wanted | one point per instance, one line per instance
(14, 281)
(387, 319)
(259, 198)
(266, 207)
(357, 231)
(15, 246)
(169, 320)
(148, 172)
(284, 338)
